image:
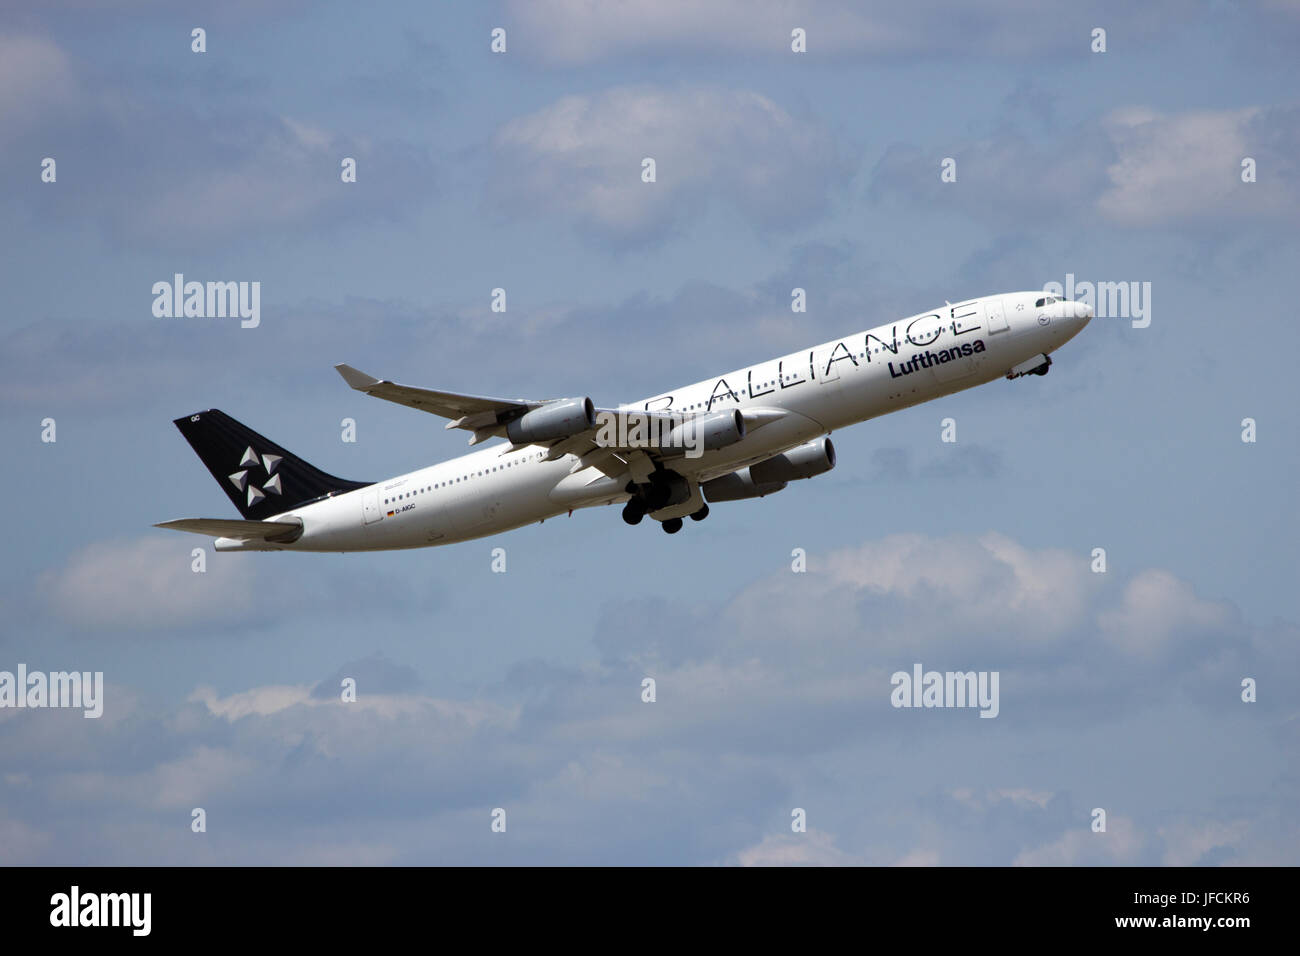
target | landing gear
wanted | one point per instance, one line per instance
(1038, 365)
(662, 490)
(634, 511)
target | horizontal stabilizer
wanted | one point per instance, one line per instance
(280, 532)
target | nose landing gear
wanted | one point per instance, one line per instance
(1038, 365)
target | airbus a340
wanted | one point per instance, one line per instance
(745, 434)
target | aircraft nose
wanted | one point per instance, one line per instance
(1082, 311)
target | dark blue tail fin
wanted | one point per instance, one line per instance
(261, 478)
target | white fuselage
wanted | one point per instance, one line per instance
(820, 389)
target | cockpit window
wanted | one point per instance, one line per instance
(1046, 300)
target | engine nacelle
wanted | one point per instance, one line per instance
(706, 433)
(803, 461)
(737, 486)
(558, 419)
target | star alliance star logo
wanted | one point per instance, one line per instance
(270, 486)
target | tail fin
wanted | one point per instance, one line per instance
(261, 478)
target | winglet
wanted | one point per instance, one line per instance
(356, 378)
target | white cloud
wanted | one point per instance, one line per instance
(773, 698)
(192, 779)
(1017, 796)
(34, 77)
(814, 848)
(1121, 844)
(330, 852)
(576, 31)
(909, 591)
(21, 844)
(1186, 843)
(274, 171)
(1134, 167)
(1187, 166)
(582, 157)
(569, 32)
(276, 699)
(148, 585)
(1159, 609)
(919, 858)
(213, 174)
(260, 701)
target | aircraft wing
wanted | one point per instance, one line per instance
(463, 410)
(488, 417)
(277, 532)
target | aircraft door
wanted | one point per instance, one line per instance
(370, 512)
(997, 316)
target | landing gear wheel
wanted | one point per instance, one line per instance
(701, 514)
(633, 511)
(673, 525)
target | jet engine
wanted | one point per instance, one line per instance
(737, 486)
(768, 477)
(558, 419)
(708, 432)
(803, 461)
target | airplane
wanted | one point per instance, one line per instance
(745, 434)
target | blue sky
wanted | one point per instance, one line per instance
(522, 690)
